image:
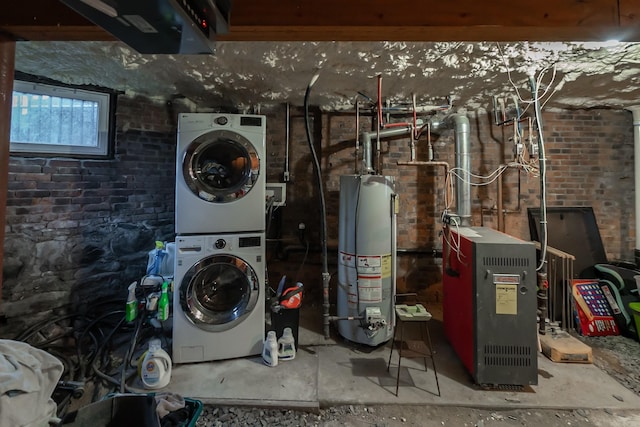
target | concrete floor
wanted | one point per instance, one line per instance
(328, 372)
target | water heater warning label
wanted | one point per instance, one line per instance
(348, 260)
(370, 288)
(370, 264)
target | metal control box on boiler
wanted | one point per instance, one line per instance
(489, 304)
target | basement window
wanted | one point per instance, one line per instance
(58, 120)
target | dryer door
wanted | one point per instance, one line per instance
(218, 292)
(221, 166)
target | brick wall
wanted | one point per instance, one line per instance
(77, 228)
(589, 163)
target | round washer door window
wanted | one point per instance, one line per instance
(217, 292)
(221, 166)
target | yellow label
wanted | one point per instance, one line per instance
(386, 266)
(506, 299)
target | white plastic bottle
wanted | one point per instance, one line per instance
(156, 367)
(286, 345)
(270, 349)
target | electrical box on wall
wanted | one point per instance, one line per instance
(277, 191)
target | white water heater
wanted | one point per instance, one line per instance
(367, 258)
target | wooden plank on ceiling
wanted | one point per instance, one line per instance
(410, 20)
(629, 13)
(382, 13)
(432, 34)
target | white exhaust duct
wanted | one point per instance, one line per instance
(635, 110)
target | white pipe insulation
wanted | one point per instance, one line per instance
(635, 110)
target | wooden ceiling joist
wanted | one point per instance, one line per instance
(408, 20)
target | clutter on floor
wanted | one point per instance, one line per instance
(559, 346)
(28, 377)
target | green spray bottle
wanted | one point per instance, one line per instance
(163, 303)
(131, 310)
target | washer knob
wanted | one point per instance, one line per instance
(220, 244)
(222, 120)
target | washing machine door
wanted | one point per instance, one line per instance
(221, 166)
(218, 292)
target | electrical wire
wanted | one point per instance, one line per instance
(129, 354)
(539, 80)
(355, 250)
(543, 184)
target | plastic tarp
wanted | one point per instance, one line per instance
(28, 377)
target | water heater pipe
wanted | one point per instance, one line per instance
(366, 137)
(394, 258)
(635, 110)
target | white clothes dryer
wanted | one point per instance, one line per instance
(219, 297)
(220, 173)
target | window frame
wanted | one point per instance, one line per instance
(106, 120)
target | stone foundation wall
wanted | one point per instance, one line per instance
(78, 230)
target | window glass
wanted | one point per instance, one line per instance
(59, 120)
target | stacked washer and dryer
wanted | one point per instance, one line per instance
(219, 283)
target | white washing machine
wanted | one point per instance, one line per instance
(219, 297)
(220, 173)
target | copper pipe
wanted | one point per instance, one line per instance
(445, 165)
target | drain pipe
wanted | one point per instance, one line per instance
(323, 210)
(635, 110)
(366, 137)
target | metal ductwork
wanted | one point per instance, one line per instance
(366, 138)
(463, 165)
(462, 129)
(159, 26)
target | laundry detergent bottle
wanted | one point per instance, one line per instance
(270, 349)
(156, 367)
(286, 345)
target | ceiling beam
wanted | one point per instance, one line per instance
(373, 20)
